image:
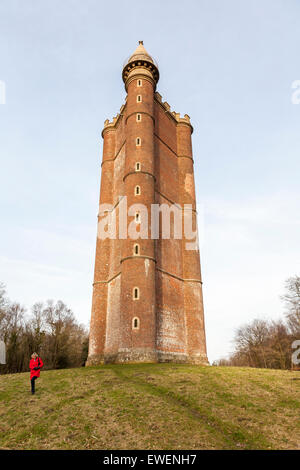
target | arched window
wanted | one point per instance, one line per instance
(136, 249)
(137, 166)
(139, 98)
(137, 190)
(138, 141)
(138, 117)
(135, 323)
(136, 293)
(139, 82)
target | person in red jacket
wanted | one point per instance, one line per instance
(35, 366)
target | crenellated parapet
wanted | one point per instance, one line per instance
(111, 125)
(185, 120)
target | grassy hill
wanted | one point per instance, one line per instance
(152, 406)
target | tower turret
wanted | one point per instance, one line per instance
(140, 63)
(138, 256)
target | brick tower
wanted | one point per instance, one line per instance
(147, 292)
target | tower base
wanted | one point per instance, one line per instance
(146, 356)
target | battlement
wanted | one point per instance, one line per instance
(115, 119)
(176, 116)
(185, 119)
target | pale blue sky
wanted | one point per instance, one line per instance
(228, 64)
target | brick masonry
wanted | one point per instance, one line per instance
(170, 305)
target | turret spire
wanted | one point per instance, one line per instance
(140, 62)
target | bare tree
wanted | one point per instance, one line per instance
(51, 330)
(292, 303)
(14, 337)
(250, 341)
(3, 313)
(262, 343)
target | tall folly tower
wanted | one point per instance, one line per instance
(147, 291)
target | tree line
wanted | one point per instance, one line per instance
(269, 343)
(50, 329)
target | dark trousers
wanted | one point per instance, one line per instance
(33, 384)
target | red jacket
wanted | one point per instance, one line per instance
(35, 363)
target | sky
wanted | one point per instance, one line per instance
(229, 65)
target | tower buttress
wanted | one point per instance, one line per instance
(193, 298)
(102, 257)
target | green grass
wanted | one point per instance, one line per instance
(151, 406)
